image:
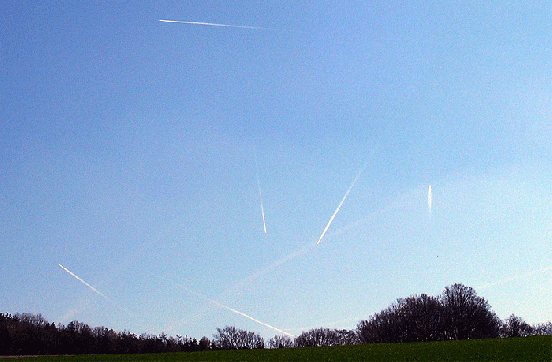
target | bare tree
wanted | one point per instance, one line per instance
(281, 341)
(466, 315)
(515, 327)
(234, 338)
(412, 319)
(320, 337)
(204, 344)
(381, 327)
(313, 338)
(347, 337)
(457, 314)
(421, 318)
(543, 329)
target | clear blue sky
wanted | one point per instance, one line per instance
(132, 151)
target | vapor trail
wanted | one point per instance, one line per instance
(215, 24)
(429, 199)
(232, 309)
(95, 290)
(262, 211)
(341, 203)
(259, 188)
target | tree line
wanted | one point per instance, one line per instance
(458, 313)
(29, 334)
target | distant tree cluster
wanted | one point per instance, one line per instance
(28, 334)
(279, 341)
(458, 313)
(234, 338)
(516, 327)
(325, 337)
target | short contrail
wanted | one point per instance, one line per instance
(95, 290)
(429, 199)
(231, 309)
(259, 188)
(215, 24)
(341, 203)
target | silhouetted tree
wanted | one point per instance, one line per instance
(515, 327)
(234, 338)
(204, 344)
(420, 318)
(381, 327)
(281, 341)
(5, 338)
(466, 315)
(457, 314)
(412, 319)
(313, 338)
(319, 337)
(347, 337)
(31, 334)
(543, 329)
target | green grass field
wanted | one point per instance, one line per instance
(534, 348)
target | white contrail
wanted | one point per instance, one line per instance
(95, 290)
(215, 24)
(259, 188)
(262, 212)
(82, 281)
(341, 203)
(232, 309)
(429, 199)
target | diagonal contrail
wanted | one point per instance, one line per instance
(259, 187)
(231, 309)
(215, 24)
(341, 203)
(95, 290)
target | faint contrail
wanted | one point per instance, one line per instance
(215, 24)
(95, 290)
(231, 309)
(341, 203)
(429, 199)
(275, 264)
(259, 188)
(511, 279)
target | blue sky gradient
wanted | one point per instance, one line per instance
(129, 147)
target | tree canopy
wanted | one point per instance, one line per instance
(458, 313)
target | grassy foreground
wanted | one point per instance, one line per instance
(534, 348)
